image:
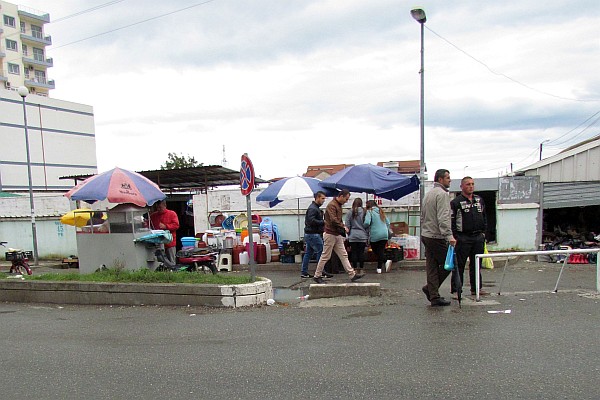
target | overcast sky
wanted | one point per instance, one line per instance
(296, 83)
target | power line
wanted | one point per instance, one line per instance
(564, 134)
(134, 24)
(98, 7)
(504, 75)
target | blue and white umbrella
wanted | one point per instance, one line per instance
(294, 188)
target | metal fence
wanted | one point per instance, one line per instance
(478, 258)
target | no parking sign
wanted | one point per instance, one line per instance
(246, 176)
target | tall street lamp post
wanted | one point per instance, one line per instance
(542, 146)
(419, 15)
(23, 92)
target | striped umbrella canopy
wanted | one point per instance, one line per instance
(117, 186)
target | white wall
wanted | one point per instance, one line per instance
(517, 226)
(285, 214)
(62, 142)
(53, 237)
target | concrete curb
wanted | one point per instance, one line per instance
(168, 294)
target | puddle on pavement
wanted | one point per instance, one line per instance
(286, 295)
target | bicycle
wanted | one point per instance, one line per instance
(19, 260)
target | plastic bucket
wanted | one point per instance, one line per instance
(188, 241)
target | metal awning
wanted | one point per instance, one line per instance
(187, 179)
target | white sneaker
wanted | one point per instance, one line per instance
(378, 270)
(388, 265)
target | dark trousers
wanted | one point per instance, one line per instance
(357, 254)
(435, 256)
(379, 251)
(467, 246)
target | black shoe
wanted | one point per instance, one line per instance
(327, 275)
(426, 291)
(356, 277)
(306, 276)
(440, 303)
(318, 280)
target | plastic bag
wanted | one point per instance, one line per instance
(486, 262)
(449, 263)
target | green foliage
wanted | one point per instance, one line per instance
(143, 276)
(175, 161)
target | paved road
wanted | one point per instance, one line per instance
(547, 347)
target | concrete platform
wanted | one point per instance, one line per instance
(170, 294)
(320, 291)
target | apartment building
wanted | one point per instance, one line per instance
(23, 49)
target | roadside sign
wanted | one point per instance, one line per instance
(246, 176)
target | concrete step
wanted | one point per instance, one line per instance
(327, 290)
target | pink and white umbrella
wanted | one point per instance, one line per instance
(117, 186)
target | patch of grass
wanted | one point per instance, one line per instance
(118, 275)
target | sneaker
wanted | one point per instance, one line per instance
(306, 276)
(318, 280)
(356, 277)
(378, 270)
(388, 265)
(327, 275)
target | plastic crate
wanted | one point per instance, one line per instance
(17, 255)
(395, 254)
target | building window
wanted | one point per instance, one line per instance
(14, 69)
(22, 27)
(24, 48)
(40, 76)
(36, 32)
(11, 45)
(9, 21)
(38, 54)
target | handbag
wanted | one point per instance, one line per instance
(449, 263)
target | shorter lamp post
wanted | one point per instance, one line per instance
(23, 92)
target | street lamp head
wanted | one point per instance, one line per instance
(23, 91)
(419, 15)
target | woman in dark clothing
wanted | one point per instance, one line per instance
(357, 236)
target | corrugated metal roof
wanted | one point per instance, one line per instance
(182, 179)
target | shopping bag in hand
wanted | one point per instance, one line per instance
(449, 263)
(486, 262)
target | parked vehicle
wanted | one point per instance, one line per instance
(19, 260)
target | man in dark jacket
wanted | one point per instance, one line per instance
(469, 224)
(333, 237)
(313, 233)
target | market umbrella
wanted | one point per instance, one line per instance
(369, 178)
(78, 217)
(117, 186)
(293, 188)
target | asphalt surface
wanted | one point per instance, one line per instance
(395, 346)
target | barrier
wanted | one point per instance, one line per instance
(478, 258)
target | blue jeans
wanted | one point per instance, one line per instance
(314, 245)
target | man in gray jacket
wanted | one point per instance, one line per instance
(436, 234)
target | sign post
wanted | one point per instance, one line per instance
(247, 186)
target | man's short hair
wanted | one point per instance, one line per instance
(464, 179)
(319, 193)
(440, 173)
(343, 192)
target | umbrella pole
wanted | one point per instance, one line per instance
(298, 216)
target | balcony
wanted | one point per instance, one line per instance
(37, 83)
(32, 14)
(38, 40)
(49, 62)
